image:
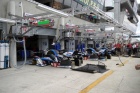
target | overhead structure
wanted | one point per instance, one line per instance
(27, 22)
(124, 30)
(7, 20)
(133, 16)
(49, 11)
(52, 10)
(135, 36)
(110, 21)
(138, 9)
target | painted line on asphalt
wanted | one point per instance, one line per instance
(126, 61)
(95, 83)
(92, 85)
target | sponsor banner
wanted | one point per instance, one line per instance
(91, 3)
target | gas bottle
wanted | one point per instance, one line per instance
(2, 54)
(7, 51)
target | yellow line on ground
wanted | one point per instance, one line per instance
(123, 63)
(126, 61)
(92, 85)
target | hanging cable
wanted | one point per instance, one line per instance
(24, 47)
(118, 55)
(25, 58)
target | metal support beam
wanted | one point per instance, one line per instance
(103, 15)
(27, 31)
(13, 53)
(7, 20)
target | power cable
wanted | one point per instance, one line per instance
(25, 57)
(118, 55)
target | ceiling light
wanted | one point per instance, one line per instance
(52, 10)
(7, 20)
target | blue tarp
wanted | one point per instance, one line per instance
(47, 59)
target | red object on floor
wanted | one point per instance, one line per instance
(85, 58)
(55, 64)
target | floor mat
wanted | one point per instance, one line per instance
(92, 68)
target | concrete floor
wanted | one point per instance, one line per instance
(33, 79)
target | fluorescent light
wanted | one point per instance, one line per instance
(52, 10)
(7, 20)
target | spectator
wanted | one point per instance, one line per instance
(124, 49)
(118, 48)
(90, 17)
(134, 48)
(129, 46)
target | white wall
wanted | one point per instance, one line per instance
(43, 42)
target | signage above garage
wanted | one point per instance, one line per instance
(91, 3)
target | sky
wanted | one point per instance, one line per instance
(138, 1)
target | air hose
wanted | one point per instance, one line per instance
(118, 55)
(25, 58)
(120, 61)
